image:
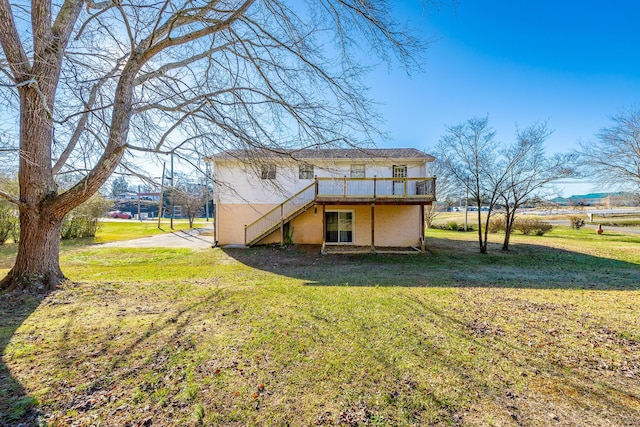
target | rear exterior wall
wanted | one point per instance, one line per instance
(394, 225)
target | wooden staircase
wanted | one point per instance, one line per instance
(280, 215)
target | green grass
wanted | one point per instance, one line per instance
(284, 336)
(110, 231)
(608, 221)
(617, 222)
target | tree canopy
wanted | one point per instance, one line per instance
(614, 156)
(93, 83)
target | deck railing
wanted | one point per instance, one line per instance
(376, 187)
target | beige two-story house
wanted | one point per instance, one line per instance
(362, 198)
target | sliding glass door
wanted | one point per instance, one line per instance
(339, 227)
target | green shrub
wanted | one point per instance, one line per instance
(288, 234)
(497, 223)
(577, 222)
(9, 224)
(452, 225)
(524, 225)
(532, 226)
(83, 221)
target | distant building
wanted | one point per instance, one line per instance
(560, 201)
(131, 201)
(154, 197)
(599, 199)
(126, 195)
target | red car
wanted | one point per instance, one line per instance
(120, 215)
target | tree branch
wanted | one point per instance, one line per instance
(12, 199)
(41, 27)
(11, 43)
(80, 127)
(125, 20)
(141, 79)
(181, 20)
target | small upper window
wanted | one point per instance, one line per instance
(306, 171)
(268, 171)
(358, 171)
(399, 171)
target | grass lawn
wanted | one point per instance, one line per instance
(124, 229)
(608, 221)
(109, 231)
(548, 334)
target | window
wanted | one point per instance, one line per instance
(400, 171)
(306, 171)
(358, 171)
(268, 171)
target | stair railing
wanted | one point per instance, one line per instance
(280, 214)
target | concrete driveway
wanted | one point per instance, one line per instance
(178, 239)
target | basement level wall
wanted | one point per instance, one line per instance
(395, 225)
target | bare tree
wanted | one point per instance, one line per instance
(446, 187)
(119, 186)
(94, 82)
(614, 157)
(472, 158)
(469, 156)
(528, 171)
(191, 200)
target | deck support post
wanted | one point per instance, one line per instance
(374, 187)
(422, 228)
(324, 226)
(373, 227)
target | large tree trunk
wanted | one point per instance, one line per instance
(482, 241)
(509, 220)
(37, 267)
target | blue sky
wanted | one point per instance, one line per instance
(573, 63)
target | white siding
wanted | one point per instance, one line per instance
(239, 183)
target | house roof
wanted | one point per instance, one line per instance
(330, 154)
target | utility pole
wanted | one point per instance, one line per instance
(206, 202)
(172, 192)
(160, 202)
(139, 217)
(206, 190)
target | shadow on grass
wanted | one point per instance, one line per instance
(448, 263)
(16, 406)
(591, 389)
